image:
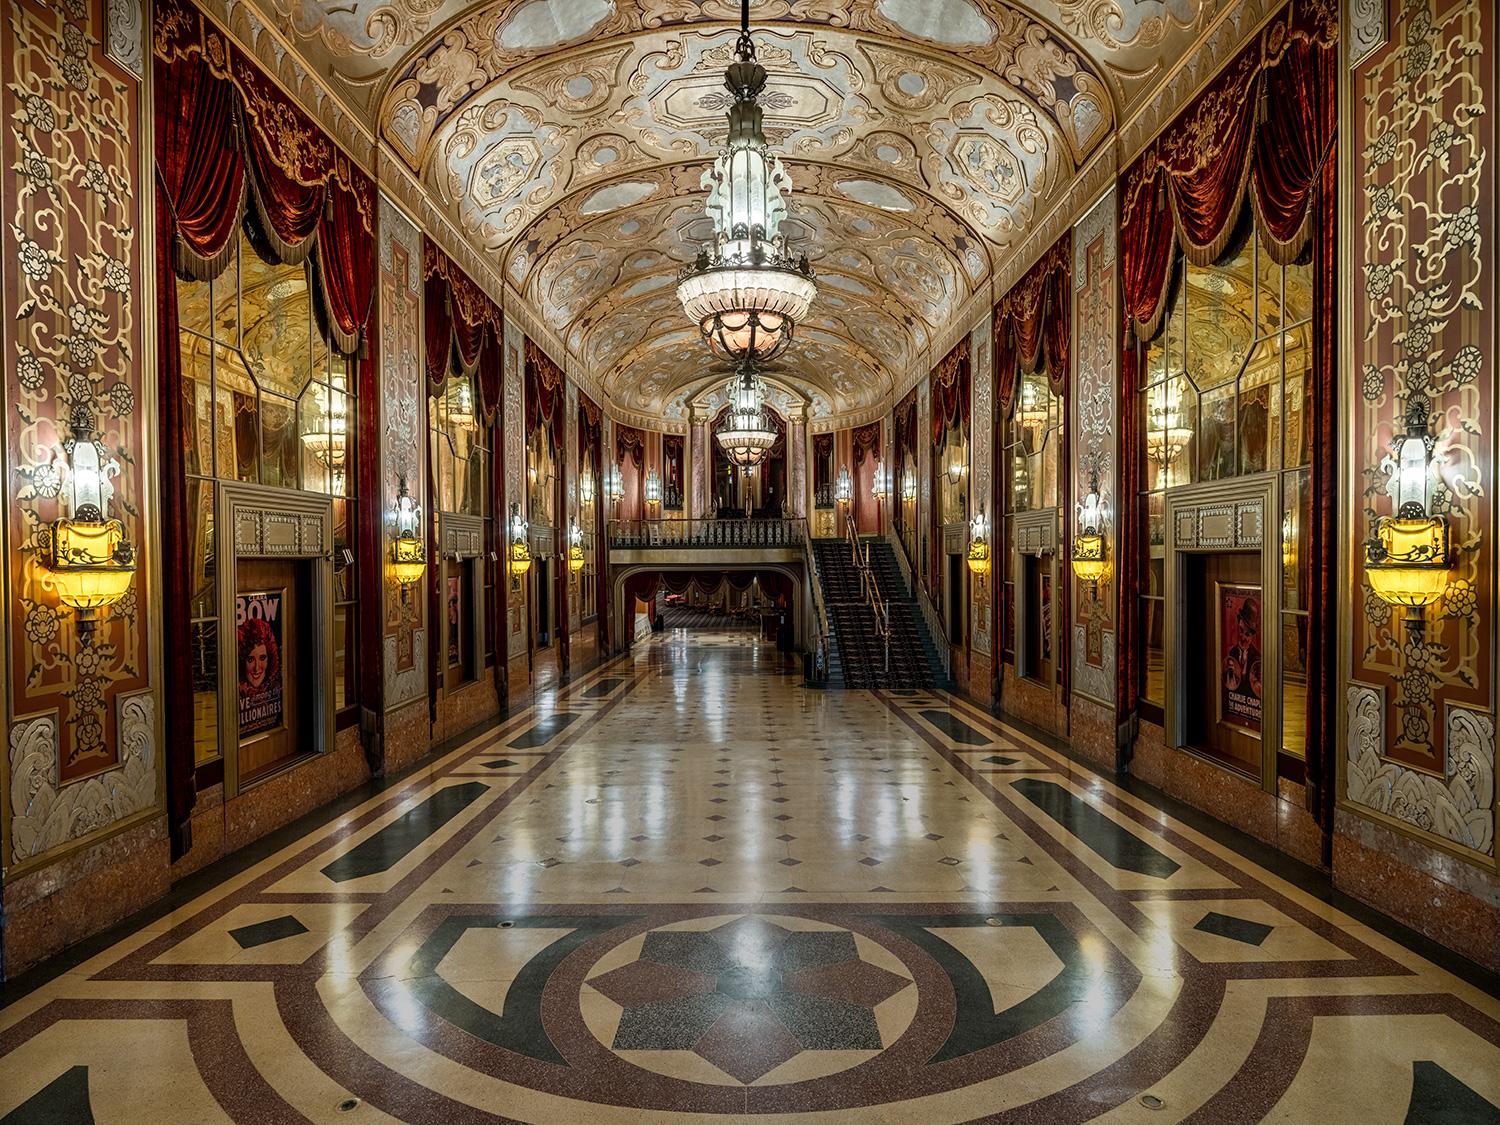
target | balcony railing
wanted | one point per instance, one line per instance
(630, 534)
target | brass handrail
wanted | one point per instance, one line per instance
(870, 588)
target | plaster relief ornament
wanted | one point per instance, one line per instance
(745, 292)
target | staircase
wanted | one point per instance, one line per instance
(859, 652)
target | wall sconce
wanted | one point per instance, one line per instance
(616, 484)
(909, 486)
(653, 488)
(408, 552)
(575, 548)
(1408, 557)
(979, 546)
(586, 486)
(91, 562)
(881, 489)
(1089, 563)
(843, 491)
(520, 550)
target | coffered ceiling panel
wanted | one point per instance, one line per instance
(567, 139)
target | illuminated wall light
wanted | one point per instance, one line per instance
(91, 562)
(408, 551)
(1089, 561)
(979, 546)
(1409, 555)
(519, 559)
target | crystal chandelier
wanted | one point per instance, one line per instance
(1166, 435)
(745, 292)
(746, 433)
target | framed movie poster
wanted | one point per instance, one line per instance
(455, 602)
(259, 619)
(1239, 648)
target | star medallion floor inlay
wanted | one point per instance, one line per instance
(685, 888)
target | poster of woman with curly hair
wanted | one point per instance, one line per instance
(261, 689)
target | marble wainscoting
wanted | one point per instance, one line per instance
(1033, 703)
(1281, 820)
(1437, 894)
(221, 827)
(51, 908)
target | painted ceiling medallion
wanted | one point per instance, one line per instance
(745, 292)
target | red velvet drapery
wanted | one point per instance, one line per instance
(544, 393)
(1033, 332)
(225, 136)
(1263, 131)
(950, 390)
(904, 419)
(461, 320)
(1032, 325)
(630, 442)
(866, 439)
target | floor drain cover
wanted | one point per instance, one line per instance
(1151, 1101)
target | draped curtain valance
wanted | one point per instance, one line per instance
(590, 425)
(630, 442)
(950, 390)
(232, 152)
(866, 438)
(1033, 325)
(461, 319)
(544, 393)
(1264, 127)
(225, 136)
(905, 420)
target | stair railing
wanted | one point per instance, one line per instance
(821, 630)
(930, 616)
(870, 588)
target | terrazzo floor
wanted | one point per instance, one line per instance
(685, 888)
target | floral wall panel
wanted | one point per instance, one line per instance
(72, 273)
(1095, 423)
(1422, 232)
(403, 431)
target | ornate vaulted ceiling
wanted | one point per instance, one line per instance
(567, 139)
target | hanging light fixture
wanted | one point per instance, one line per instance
(615, 485)
(745, 292)
(1166, 436)
(1032, 410)
(586, 486)
(843, 491)
(408, 552)
(746, 434)
(653, 488)
(461, 406)
(881, 489)
(909, 486)
(1408, 557)
(329, 440)
(90, 560)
